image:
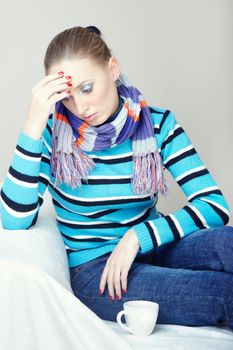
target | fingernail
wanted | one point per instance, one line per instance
(68, 91)
(68, 77)
(118, 297)
(111, 298)
(69, 84)
(99, 291)
(123, 291)
(60, 73)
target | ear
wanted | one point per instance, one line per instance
(114, 67)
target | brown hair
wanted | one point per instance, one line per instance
(77, 42)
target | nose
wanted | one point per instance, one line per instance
(80, 105)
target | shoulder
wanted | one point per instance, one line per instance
(164, 123)
(162, 118)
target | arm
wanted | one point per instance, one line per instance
(206, 205)
(22, 191)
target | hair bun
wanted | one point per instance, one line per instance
(94, 29)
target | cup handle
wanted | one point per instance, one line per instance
(119, 315)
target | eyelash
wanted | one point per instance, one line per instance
(84, 91)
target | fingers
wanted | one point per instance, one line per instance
(44, 95)
(118, 265)
(46, 79)
(103, 279)
(117, 282)
(116, 279)
(114, 283)
(51, 89)
(60, 95)
(56, 87)
(110, 284)
(124, 278)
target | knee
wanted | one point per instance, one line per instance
(228, 229)
(225, 232)
(223, 237)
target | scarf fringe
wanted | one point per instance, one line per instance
(148, 176)
(71, 168)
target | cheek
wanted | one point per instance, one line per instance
(103, 97)
(100, 98)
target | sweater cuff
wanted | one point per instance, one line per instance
(30, 144)
(144, 237)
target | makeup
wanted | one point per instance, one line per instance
(92, 117)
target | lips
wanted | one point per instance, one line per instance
(89, 116)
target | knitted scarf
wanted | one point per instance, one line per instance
(72, 136)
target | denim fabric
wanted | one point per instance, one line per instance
(191, 279)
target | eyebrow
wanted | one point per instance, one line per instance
(81, 83)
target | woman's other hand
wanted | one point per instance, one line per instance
(118, 264)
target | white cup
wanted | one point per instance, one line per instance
(140, 316)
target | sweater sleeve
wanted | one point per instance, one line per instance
(27, 178)
(206, 206)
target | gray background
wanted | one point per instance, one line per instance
(178, 53)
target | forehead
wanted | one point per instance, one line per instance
(79, 68)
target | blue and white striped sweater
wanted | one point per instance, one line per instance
(92, 219)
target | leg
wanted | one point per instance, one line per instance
(186, 297)
(208, 249)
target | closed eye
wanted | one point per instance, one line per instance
(85, 91)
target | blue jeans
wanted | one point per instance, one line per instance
(191, 279)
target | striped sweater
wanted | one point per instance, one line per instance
(93, 218)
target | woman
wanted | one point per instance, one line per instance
(102, 153)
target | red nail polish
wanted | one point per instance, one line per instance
(69, 84)
(60, 73)
(99, 291)
(68, 77)
(111, 298)
(118, 297)
(68, 91)
(123, 291)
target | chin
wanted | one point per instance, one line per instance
(94, 123)
(97, 122)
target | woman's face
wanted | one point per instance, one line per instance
(97, 93)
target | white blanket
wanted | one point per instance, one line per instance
(39, 310)
(172, 337)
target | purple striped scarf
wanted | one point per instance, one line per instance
(73, 136)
